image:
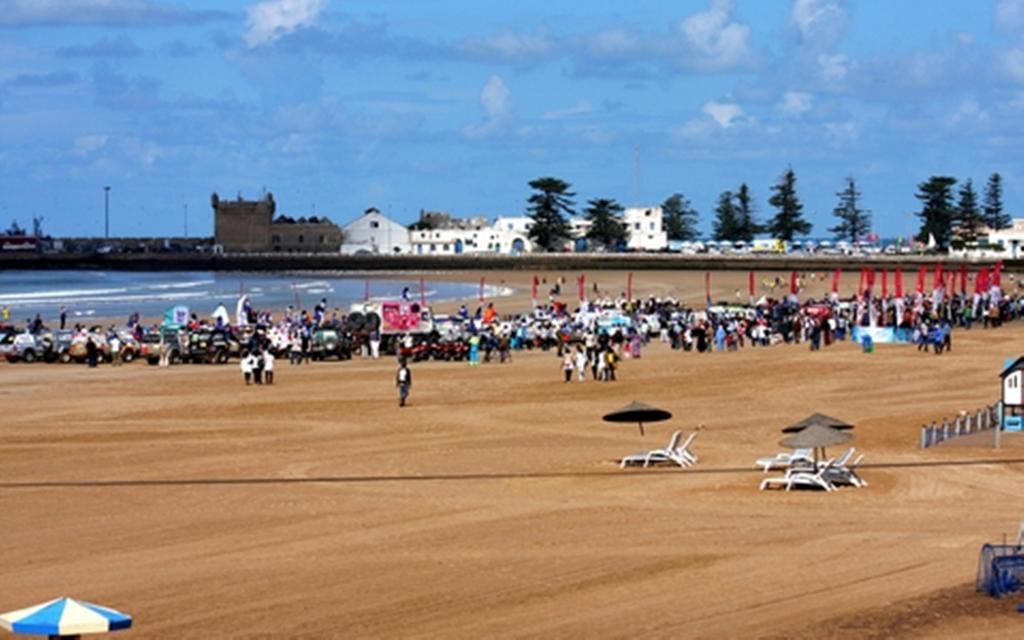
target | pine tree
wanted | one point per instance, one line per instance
(854, 222)
(937, 212)
(549, 205)
(995, 218)
(606, 228)
(969, 219)
(747, 226)
(679, 218)
(727, 221)
(788, 221)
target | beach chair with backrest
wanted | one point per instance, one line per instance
(802, 478)
(785, 460)
(683, 455)
(846, 474)
(656, 455)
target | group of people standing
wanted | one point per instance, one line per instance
(602, 363)
(257, 367)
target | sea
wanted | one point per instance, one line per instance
(116, 294)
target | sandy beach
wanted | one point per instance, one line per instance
(492, 506)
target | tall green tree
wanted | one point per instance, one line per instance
(679, 218)
(747, 226)
(854, 222)
(788, 221)
(727, 221)
(969, 219)
(995, 217)
(606, 228)
(937, 211)
(548, 206)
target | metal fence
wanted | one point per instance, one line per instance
(964, 424)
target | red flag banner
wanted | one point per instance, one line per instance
(885, 283)
(937, 277)
(581, 283)
(707, 286)
(871, 280)
(981, 281)
(963, 279)
(997, 275)
(751, 289)
(922, 273)
(629, 286)
(534, 288)
(794, 283)
(481, 288)
(835, 280)
(897, 282)
(862, 285)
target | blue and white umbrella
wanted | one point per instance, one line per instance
(64, 617)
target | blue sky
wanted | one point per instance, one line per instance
(339, 105)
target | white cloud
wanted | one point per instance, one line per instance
(967, 114)
(270, 20)
(820, 22)
(795, 103)
(513, 47)
(84, 145)
(120, 13)
(1013, 63)
(726, 114)
(496, 101)
(842, 133)
(1009, 15)
(833, 66)
(581, 108)
(715, 38)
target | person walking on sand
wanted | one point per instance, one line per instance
(268, 366)
(246, 365)
(581, 363)
(568, 364)
(403, 380)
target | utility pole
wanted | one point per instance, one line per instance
(106, 212)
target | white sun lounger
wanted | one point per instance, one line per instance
(785, 460)
(799, 478)
(673, 452)
(847, 474)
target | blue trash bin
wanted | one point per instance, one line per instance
(867, 344)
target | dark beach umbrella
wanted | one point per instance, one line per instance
(815, 437)
(818, 419)
(639, 413)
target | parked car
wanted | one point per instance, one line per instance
(209, 346)
(330, 343)
(149, 346)
(22, 347)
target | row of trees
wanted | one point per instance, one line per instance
(552, 203)
(959, 223)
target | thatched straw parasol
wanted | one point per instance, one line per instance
(639, 413)
(817, 419)
(816, 437)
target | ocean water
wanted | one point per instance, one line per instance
(116, 294)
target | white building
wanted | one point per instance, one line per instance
(645, 229)
(512, 234)
(373, 232)
(506, 235)
(1005, 243)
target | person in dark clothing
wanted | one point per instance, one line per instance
(91, 352)
(403, 380)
